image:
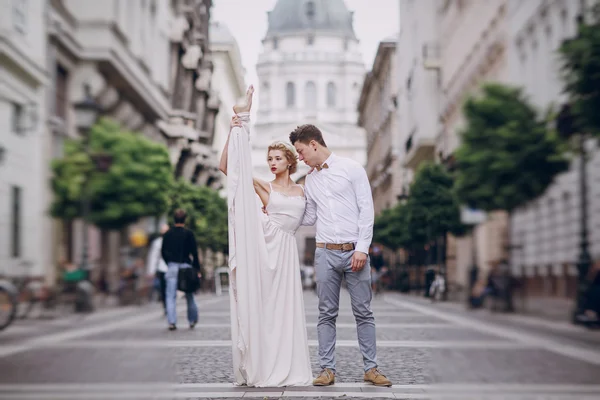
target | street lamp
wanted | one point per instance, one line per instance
(86, 114)
(567, 127)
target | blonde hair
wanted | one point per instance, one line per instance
(289, 151)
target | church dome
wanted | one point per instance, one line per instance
(297, 16)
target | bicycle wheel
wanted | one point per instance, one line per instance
(8, 305)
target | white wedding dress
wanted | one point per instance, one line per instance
(268, 326)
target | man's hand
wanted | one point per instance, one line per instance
(359, 259)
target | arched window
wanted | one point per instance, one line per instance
(331, 95)
(310, 96)
(290, 95)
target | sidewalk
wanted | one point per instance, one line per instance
(552, 319)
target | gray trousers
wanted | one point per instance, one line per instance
(330, 267)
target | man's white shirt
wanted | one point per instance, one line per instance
(339, 200)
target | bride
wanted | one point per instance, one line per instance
(268, 326)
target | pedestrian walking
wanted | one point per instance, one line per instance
(156, 267)
(180, 251)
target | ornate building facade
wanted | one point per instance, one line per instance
(146, 63)
(310, 70)
(227, 80)
(23, 78)
(546, 232)
(377, 110)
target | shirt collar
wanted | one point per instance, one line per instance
(330, 159)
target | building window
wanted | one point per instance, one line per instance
(15, 225)
(20, 15)
(290, 95)
(310, 96)
(265, 95)
(331, 95)
(18, 113)
(310, 9)
(60, 95)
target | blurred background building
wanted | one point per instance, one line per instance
(147, 64)
(445, 52)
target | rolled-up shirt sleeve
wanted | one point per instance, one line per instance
(366, 212)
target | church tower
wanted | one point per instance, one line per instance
(310, 71)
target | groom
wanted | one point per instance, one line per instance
(339, 200)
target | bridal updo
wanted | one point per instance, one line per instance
(290, 153)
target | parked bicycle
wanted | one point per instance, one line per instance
(8, 303)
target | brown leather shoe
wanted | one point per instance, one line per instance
(325, 378)
(376, 378)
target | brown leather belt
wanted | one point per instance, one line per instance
(335, 246)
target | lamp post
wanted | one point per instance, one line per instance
(86, 114)
(566, 126)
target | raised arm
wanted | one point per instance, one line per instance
(235, 121)
(262, 189)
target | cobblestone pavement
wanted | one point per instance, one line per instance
(429, 351)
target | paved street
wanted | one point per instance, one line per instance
(429, 351)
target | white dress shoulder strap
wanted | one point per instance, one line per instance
(303, 191)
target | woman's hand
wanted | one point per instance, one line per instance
(235, 121)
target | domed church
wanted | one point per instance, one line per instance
(310, 70)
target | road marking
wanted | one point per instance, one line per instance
(161, 343)
(492, 328)
(408, 325)
(55, 338)
(170, 390)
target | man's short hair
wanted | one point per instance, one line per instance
(305, 133)
(179, 216)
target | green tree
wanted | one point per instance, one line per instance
(508, 155)
(207, 214)
(390, 228)
(580, 58)
(433, 209)
(136, 184)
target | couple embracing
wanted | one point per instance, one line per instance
(269, 338)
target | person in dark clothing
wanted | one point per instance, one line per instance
(179, 250)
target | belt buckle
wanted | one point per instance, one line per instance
(347, 247)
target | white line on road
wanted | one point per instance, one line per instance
(407, 325)
(168, 390)
(554, 346)
(160, 343)
(56, 338)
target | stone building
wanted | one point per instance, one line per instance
(146, 63)
(546, 232)
(23, 78)
(377, 108)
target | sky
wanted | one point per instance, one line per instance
(374, 20)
